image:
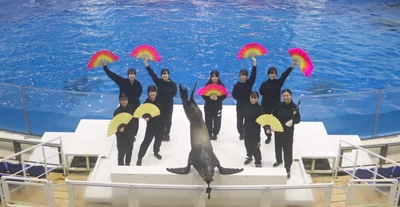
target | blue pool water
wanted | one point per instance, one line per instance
(48, 43)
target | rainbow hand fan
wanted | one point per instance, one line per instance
(142, 51)
(214, 88)
(101, 58)
(252, 49)
(304, 60)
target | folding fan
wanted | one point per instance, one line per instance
(101, 58)
(121, 118)
(250, 49)
(146, 109)
(267, 119)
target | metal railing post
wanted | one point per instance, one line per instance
(71, 195)
(200, 200)
(17, 148)
(28, 127)
(378, 106)
(383, 153)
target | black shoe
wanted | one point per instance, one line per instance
(139, 162)
(288, 175)
(248, 160)
(213, 137)
(166, 138)
(276, 164)
(258, 165)
(268, 140)
(158, 156)
(241, 137)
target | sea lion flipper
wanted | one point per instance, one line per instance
(227, 171)
(184, 93)
(179, 170)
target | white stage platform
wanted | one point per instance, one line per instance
(90, 138)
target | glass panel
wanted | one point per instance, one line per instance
(26, 194)
(371, 195)
(51, 110)
(11, 109)
(389, 112)
(344, 114)
(313, 197)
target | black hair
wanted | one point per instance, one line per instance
(243, 72)
(165, 70)
(131, 71)
(254, 93)
(272, 70)
(214, 73)
(123, 95)
(151, 88)
(287, 90)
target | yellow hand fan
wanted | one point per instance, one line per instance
(267, 119)
(121, 118)
(146, 109)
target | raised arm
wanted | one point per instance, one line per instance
(151, 71)
(113, 76)
(288, 71)
(253, 73)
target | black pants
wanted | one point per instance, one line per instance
(125, 147)
(151, 131)
(267, 111)
(239, 119)
(135, 125)
(285, 144)
(168, 119)
(252, 148)
(213, 121)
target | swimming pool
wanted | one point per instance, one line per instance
(354, 47)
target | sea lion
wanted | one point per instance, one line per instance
(201, 156)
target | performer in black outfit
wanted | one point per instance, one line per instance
(270, 91)
(251, 111)
(125, 133)
(213, 107)
(154, 126)
(285, 111)
(129, 86)
(167, 90)
(240, 93)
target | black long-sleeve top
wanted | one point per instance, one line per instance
(165, 89)
(211, 105)
(241, 91)
(250, 113)
(271, 91)
(160, 103)
(284, 112)
(132, 90)
(128, 128)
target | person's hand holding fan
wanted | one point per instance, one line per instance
(290, 122)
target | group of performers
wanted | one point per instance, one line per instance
(248, 109)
